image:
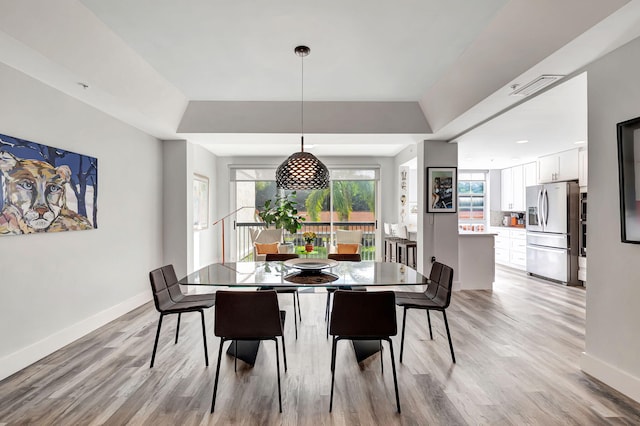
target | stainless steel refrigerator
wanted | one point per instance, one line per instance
(552, 231)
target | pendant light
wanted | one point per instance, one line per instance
(302, 170)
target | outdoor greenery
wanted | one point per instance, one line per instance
(348, 196)
(282, 213)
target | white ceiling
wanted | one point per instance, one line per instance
(144, 60)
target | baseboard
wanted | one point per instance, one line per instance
(612, 376)
(24, 357)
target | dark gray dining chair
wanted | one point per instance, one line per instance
(436, 297)
(248, 316)
(363, 316)
(165, 305)
(281, 257)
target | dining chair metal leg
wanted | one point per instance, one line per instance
(178, 327)
(381, 363)
(284, 353)
(215, 383)
(395, 378)
(429, 320)
(446, 325)
(204, 338)
(275, 339)
(295, 315)
(333, 372)
(155, 344)
(404, 322)
(297, 296)
(326, 308)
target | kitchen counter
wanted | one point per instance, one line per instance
(476, 257)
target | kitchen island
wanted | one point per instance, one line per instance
(476, 258)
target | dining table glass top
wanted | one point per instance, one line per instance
(280, 274)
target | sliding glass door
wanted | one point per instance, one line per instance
(349, 203)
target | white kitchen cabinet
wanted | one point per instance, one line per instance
(558, 167)
(582, 170)
(510, 247)
(506, 189)
(513, 184)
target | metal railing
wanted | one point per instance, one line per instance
(324, 236)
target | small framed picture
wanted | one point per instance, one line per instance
(441, 187)
(200, 202)
(629, 179)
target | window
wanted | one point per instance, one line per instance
(472, 197)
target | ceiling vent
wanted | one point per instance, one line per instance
(534, 86)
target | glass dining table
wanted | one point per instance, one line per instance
(304, 273)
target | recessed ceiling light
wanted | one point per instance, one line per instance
(522, 141)
(578, 142)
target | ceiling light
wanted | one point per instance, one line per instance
(534, 86)
(578, 142)
(522, 141)
(302, 170)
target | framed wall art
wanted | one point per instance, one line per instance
(441, 187)
(200, 202)
(46, 189)
(629, 179)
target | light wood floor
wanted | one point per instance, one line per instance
(517, 348)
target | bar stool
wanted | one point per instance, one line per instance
(408, 247)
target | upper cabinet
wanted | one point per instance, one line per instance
(582, 170)
(514, 181)
(558, 167)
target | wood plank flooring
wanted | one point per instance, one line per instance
(517, 348)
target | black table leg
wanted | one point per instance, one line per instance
(248, 349)
(365, 348)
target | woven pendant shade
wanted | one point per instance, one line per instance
(302, 170)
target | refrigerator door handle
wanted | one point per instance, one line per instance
(545, 201)
(539, 208)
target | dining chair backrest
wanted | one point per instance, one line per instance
(273, 257)
(363, 314)
(161, 297)
(247, 314)
(171, 280)
(443, 295)
(345, 257)
(434, 280)
(348, 237)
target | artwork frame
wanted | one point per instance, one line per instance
(442, 189)
(629, 179)
(45, 189)
(200, 202)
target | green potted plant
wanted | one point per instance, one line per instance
(282, 213)
(309, 236)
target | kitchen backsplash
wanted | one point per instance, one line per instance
(496, 218)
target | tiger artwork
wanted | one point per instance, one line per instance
(35, 198)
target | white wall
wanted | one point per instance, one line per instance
(207, 241)
(57, 287)
(437, 232)
(613, 289)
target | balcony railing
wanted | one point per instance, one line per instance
(324, 234)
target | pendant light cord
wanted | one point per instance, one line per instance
(302, 106)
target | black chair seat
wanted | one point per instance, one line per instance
(417, 302)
